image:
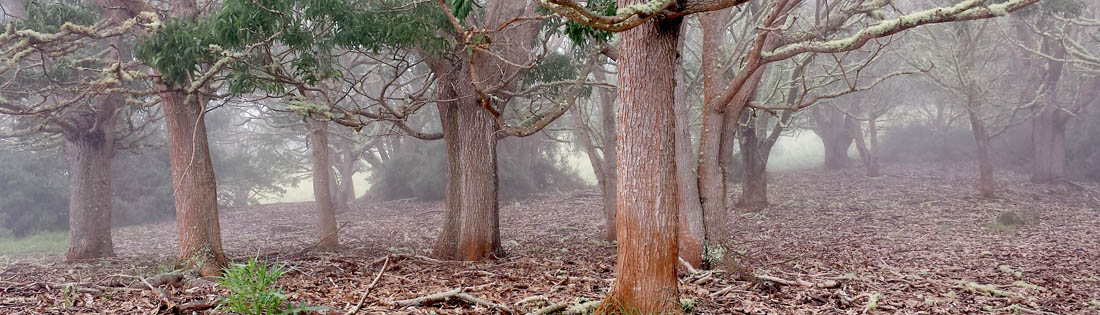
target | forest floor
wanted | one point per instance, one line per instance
(833, 242)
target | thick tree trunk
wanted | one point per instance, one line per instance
(985, 163)
(754, 175)
(90, 195)
(193, 183)
(328, 236)
(471, 230)
(647, 216)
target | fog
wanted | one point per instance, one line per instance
(788, 156)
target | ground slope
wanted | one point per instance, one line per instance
(833, 242)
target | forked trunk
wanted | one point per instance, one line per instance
(193, 183)
(90, 201)
(471, 230)
(327, 236)
(647, 216)
(346, 190)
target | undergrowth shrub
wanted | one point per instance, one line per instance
(253, 290)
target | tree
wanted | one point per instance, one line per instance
(69, 99)
(646, 215)
(184, 97)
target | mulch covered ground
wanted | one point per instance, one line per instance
(916, 241)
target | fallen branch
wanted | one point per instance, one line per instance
(429, 299)
(550, 309)
(828, 284)
(687, 266)
(445, 295)
(358, 305)
(322, 239)
(195, 306)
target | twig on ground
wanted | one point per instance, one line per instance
(195, 306)
(322, 239)
(358, 305)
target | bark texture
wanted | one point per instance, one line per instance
(647, 191)
(193, 183)
(89, 156)
(327, 233)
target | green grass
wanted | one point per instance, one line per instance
(42, 243)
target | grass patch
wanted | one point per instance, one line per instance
(42, 243)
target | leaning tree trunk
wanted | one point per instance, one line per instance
(471, 230)
(328, 236)
(90, 201)
(193, 183)
(647, 191)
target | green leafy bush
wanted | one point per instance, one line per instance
(253, 290)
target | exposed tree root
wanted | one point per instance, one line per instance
(827, 284)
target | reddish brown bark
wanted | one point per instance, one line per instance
(647, 191)
(193, 183)
(327, 233)
(90, 201)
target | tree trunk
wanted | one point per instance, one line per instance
(608, 142)
(836, 151)
(471, 230)
(873, 165)
(985, 163)
(346, 167)
(647, 216)
(710, 173)
(1048, 129)
(754, 175)
(90, 194)
(692, 232)
(193, 183)
(328, 236)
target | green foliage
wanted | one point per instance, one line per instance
(553, 67)
(177, 51)
(461, 8)
(253, 290)
(312, 31)
(584, 35)
(48, 16)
